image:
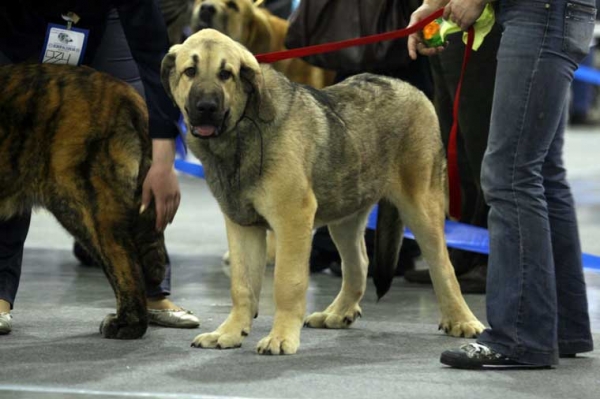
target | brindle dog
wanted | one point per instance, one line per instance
(289, 158)
(75, 141)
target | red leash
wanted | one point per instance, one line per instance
(275, 56)
(453, 176)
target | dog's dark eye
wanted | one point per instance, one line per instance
(190, 72)
(225, 74)
(232, 5)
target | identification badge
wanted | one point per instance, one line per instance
(64, 45)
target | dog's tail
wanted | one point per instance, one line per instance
(388, 239)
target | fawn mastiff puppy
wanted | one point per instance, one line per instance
(260, 32)
(289, 158)
(75, 141)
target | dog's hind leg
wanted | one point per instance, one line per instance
(247, 249)
(349, 239)
(107, 239)
(423, 212)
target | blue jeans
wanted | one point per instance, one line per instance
(536, 296)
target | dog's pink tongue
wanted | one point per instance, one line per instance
(205, 130)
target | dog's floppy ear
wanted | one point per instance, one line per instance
(254, 84)
(168, 63)
(259, 36)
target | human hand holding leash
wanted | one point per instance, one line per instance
(416, 41)
(162, 184)
(464, 13)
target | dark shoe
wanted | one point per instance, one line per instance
(83, 256)
(409, 252)
(580, 119)
(323, 260)
(478, 356)
(470, 269)
(474, 281)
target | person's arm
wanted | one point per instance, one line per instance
(147, 37)
(148, 40)
(161, 183)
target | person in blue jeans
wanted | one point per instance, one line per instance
(536, 298)
(127, 39)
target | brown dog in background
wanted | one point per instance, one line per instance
(75, 141)
(260, 32)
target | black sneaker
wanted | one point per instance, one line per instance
(478, 356)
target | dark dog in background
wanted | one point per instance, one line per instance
(75, 141)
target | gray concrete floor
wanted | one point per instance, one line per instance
(55, 350)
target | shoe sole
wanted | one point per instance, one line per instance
(462, 363)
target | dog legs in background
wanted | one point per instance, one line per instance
(349, 239)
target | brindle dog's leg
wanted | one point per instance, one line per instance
(247, 248)
(107, 238)
(349, 238)
(292, 222)
(123, 271)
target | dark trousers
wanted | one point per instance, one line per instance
(475, 109)
(112, 57)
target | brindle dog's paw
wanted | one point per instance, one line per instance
(277, 345)
(329, 319)
(112, 327)
(462, 329)
(219, 340)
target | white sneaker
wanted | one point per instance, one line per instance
(173, 318)
(5, 323)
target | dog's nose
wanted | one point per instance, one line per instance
(206, 107)
(207, 11)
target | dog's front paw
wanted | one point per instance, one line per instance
(463, 329)
(332, 319)
(113, 327)
(278, 344)
(220, 340)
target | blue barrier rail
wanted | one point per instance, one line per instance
(588, 75)
(458, 235)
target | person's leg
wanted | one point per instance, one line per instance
(114, 57)
(12, 239)
(574, 334)
(526, 118)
